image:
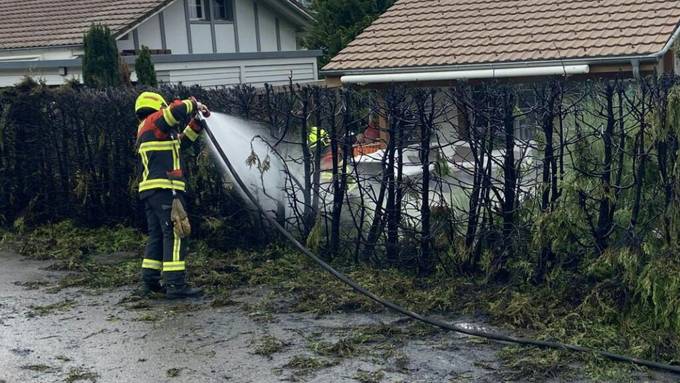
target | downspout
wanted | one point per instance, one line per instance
(635, 64)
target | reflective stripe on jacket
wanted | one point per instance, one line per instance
(158, 145)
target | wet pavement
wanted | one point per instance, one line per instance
(75, 335)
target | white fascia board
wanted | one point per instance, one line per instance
(20, 58)
(466, 74)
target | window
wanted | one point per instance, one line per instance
(198, 10)
(224, 10)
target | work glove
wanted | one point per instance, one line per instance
(200, 107)
(204, 110)
(180, 219)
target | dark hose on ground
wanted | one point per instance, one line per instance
(434, 322)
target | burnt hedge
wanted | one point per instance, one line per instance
(69, 153)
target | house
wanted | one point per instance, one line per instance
(440, 41)
(203, 42)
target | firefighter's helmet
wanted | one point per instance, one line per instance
(149, 102)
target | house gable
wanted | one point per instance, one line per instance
(254, 42)
(255, 26)
(48, 23)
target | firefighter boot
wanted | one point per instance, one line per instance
(182, 291)
(177, 288)
(151, 283)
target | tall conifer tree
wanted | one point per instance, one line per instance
(100, 62)
(146, 72)
(338, 22)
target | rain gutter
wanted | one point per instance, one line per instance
(466, 74)
(668, 45)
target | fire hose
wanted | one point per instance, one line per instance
(401, 310)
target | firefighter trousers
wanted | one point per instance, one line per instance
(165, 251)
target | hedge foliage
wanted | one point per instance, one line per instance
(69, 153)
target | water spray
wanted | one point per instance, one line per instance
(459, 328)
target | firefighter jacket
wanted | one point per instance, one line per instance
(158, 145)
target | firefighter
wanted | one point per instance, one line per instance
(162, 188)
(317, 136)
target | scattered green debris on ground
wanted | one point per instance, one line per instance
(222, 298)
(461, 377)
(39, 368)
(40, 311)
(380, 339)
(400, 360)
(72, 248)
(268, 345)
(342, 348)
(376, 333)
(68, 242)
(535, 365)
(305, 364)
(181, 308)
(32, 285)
(149, 317)
(572, 306)
(263, 309)
(80, 374)
(369, 376)
(141, 304)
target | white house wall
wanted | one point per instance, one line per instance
(149, 33)
(288, 35)
(201, 38)
(277, 73)
(224, 73)
(176, 28)
(224, 38)
(245, 17)
(126, 44)
(267, 24)
(176, 36)
(50, 76)
(254, 72)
